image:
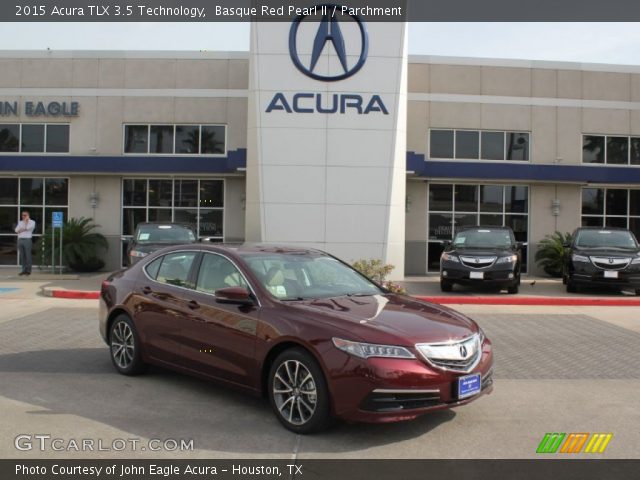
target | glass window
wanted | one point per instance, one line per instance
(8, 219)
(8, 250)
(634, 226)
(440, 198)
(635, 151)
(441, 144)
(134, 192)
(491, 198)
(516, 199)
(491, 220)
(463, 220)
(186, 193)
(467, 144)
(57, 138)
(615, 222)
(211, 223)
(175, 268)
(31, 191)
(434, 253)
(189, 216)
(8, 191)
(617, 202)
(159, 215)
(592, 221)
(518, 224)
(212, 139)
(56, 191)
(187, 139)
(440, 226)
(593, 149)
(217, 272)
(161, 139)
(634, 202)
(33, 138)
(466, 198)
(9, 138)
(593, 201)
(517, 146)
(160, 193)
(153, 267)
(131, 217)
(211, 193)
(618, 150)
(492, 145)
(136, 138)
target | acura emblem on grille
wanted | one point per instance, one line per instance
(463, 351)
(477, 260)
(611, 260)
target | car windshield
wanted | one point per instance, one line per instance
(483, 238)
(605, 238)
(164, 234)
(303, 276)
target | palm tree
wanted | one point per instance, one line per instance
(81, 246)
(550, 253)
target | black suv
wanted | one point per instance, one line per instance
(600, 256)
(487, 256)
(151, 236)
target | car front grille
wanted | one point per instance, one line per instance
(477, 262)
(397, 400)
(458, 356)
(611, 263)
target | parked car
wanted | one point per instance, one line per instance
(602, 257)
(488, 256)
(151, 236)
(299, 326)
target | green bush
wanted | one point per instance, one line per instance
(81, 246)
(378, 272)
(550, 253)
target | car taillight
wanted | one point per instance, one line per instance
(105, 285)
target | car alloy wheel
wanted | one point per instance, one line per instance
(124, 347)
(298, 392)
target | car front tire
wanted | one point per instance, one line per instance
(298, 392)
(446, 285)
(124, 346)
(513, 289)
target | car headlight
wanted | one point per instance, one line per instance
(481, 334)
(366, 350)
(579, 258)
(508, 259)
(636, 260)
(450, 258)
(137, 253)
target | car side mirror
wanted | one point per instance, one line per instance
(204, 239)
(234, 295)
(521, 245)
(446, 243)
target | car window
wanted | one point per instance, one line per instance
(218, 272)
(483, 238)
(174, 269)
(153, 267)
(605, 238)
(164, 234)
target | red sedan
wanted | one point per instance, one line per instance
(299, 326)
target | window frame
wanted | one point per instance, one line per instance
(603, 216)
(174, 153)
(606, 137)
(44, 152)
(480, 132)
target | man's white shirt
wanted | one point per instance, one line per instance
(25, 232)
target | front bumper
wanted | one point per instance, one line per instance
(592, 276)
(456, 273)
(380, 390)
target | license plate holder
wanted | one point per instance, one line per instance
(469, 385)
(610, 274)
(476, 275)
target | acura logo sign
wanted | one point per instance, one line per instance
(329, 32)
(463, 351)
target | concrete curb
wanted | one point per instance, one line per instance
(74, 294)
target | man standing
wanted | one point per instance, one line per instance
(25, 229)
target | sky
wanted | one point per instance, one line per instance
(617, 43)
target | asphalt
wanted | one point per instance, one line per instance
(557, 370)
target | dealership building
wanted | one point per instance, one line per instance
(325, 134)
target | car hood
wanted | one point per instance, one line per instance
(390, 318)
(607, 251)
(482, 252)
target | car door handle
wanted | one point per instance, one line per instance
(193, 305)
(146, 290)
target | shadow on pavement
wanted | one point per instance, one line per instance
(164, 404)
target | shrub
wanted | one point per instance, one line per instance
(81, 246)
(550, 253)
(378, 272)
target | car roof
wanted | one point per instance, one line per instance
(604, 228)
(484, 227)
(240, 248)
(158, 224)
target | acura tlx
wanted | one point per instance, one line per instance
(298, 326)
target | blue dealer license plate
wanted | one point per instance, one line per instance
(469, 385)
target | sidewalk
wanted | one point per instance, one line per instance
(87, 285)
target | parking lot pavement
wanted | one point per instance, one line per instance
(557, 370)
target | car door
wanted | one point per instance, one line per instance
(219, 338)
(162, 308)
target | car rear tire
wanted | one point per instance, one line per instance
(124, 346)
(446, 286)
(513, 289)
(298, 392)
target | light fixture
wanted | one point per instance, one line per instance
(555, 207)
(93, 199)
